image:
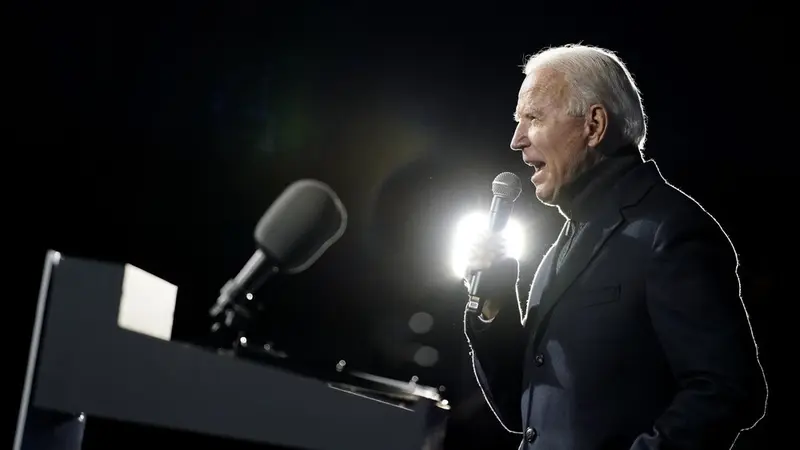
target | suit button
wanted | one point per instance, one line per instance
(539, 359)
(530, 434)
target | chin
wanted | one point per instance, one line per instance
(545, 195)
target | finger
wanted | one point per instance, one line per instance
(479, 236)
(478, 264)
(483, 258)
(498, 240)
(501, 251)
(480, 251)
(501, 244)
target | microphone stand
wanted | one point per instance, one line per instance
(233, 311)
(232, 290)
(235, 334)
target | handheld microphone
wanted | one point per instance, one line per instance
(302, 223)
(506, 188)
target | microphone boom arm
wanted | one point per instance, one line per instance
(233, 288)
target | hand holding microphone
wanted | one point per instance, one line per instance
(486, 249)
(487, 255)
(489, 249)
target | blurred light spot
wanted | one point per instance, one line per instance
(468, 229)
(421, 323)
(426, 356)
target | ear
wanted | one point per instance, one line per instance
(596, 125)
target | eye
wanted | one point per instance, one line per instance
(528, 117)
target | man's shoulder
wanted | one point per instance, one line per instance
(669, 203)
(676, 214)
(645, 193)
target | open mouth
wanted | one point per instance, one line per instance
(538, 165)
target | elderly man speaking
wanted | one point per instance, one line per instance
(634, 335)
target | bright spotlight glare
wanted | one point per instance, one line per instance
(470, 226)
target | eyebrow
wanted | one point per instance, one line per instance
(534, 111)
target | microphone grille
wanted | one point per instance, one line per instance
(507, 185)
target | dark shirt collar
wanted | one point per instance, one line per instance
(581, 198)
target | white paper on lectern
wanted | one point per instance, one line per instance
(147, 305)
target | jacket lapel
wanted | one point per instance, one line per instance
(586, 245)
(543, 276)
(591, 240)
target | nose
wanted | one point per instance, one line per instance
(520, 139)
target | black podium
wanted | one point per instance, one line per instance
(101, 348)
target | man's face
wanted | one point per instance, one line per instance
(552, 142)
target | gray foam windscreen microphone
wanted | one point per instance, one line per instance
(301, 224)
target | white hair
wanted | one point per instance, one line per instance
(597, 76)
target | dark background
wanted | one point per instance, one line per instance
(158, 136)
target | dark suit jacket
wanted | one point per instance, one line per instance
(639, 342)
